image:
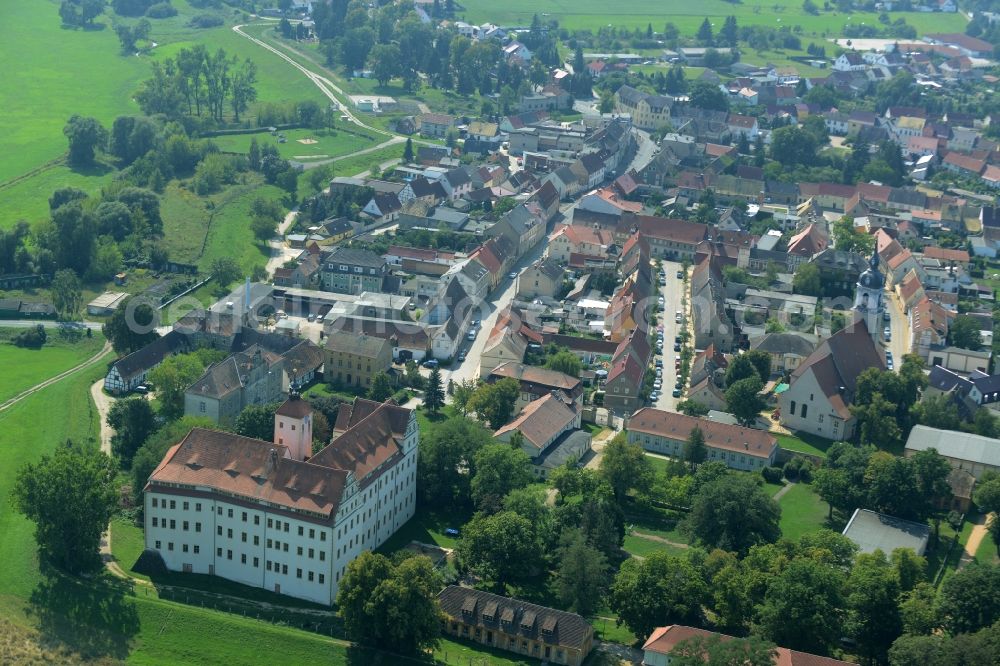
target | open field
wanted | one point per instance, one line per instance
(28, 199)
(328, 143)
(802, 511)
(594, 14)
(23, 368)
(199, 229)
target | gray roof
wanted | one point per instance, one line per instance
(562, 450)
(954, 444)
(943, 379)
(355, 257)
(357, 345)
(784, 343)
(876, 531)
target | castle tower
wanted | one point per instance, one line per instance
(293, 427)
(869, 301)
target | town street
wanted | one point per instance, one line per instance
(672, 294)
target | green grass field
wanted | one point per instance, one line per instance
(803, 443)
(636, 545)
(329, 143)
(802, 511)
(199, 229)
(23, 368)
(594, 14)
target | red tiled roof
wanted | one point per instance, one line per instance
(946, 254)
(717, 435)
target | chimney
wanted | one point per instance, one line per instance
(272, 462)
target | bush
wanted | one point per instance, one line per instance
(798, 469)
(161, 10)
(32, 338)
(206, 21)
(772, 474)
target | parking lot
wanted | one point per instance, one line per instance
(671, 293)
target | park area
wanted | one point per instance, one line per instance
(301, 144)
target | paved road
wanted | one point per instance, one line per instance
(900, 330)
(48, 323)
(52, 380)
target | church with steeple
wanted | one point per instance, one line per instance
(869, 301)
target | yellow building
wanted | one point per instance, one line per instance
(353, 360)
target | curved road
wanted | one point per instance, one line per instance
(52, 380)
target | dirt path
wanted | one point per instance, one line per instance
(979, 531)
(103, 402)
(653, 537)
(781, 493)
(52, 380)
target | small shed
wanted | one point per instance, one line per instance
(106, 304)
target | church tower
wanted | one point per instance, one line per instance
(869, 301)
(293, 427)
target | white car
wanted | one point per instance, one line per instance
(657, 385)
(887, 333)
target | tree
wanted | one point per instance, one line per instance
(840, 482)
(624, 466)
(695, 450)
(878, 422)
(243, 88)
(582, 574)
(408, 151)
(964, 333)
(754, 363)
(566, 362)
(705, 32)
(970, 599)
(392, 607)
(792, 145)
(910, 568)
(494, 402)
(134, 421)
(985, 424)
(873, 617)
(66, 293)
(86, 136)
(381, 388)
(461, 393)
(70, 496)
(225, 270)
(806, 280)
(938, 411)
(447, 460)
(707, 96)
(801, 608)
(434, 392)
(131, 328)
(661, 589)
(917, 609)
(172, 377)
(499, 470)
(385, 62)
(713, 651)
(692, 408)
(743, 399)
(502, 547)
(734, 513)
(987, 497)
(257, 421)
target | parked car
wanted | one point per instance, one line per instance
(659, 362)
(680, 275)
(512, 275)
(654, 396)
(471, 335)
(451, 531)
(659, 372)
(887, 333)
(141, 389)
(677, 346)
(886, 316)
(431, 363)
(461, 356)
(676, 393)
(657, 385)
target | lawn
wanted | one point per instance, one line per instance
(802, 511)
(594, 14)
(427, 526)
(802, 442)
(200, 229)
(28, 199)
(23, 368)
(636, 545)
(329, 143)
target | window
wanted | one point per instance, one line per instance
(321, 577)
(173, 504)
(154, 521)
(299, 553)
(312, 533)
(285, 546)
(256, 563)
(173, 524)
(197, 527)
(310, 553)
(229, 533)
(268, 543)
(230, 513)
(268, 567)
(270, 523)
(197, 549)
(155, 502)
(805, 410)
(229, 554)
(256, 540)
(218, 552)
(301, 529)
(793, 408)
(244, 537)
(310, 576)
(343, 267)
(298, 573)
(220, 510)
(286, 526)
(322, 556)
(284, 569)
(322, 536)
(256, 520)
(358, 269)
(157, 545)
(170, 545)
(201, 406)
(244, 516)
(243, 558)
(197, 506)
(184, 526)
(820, 418)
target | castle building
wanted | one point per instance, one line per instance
(270, 514)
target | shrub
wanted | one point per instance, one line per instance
(206, 21)
(32, 338)
(772, 474)
(799, 469)
(161, 10)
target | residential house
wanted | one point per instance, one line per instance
(661, 643)
(523, 226)
(745, 126)
(666, 432)
(435, 125)
(667, 238)
(536, 382)
(809, 242)
(580, 239)
(484, 134)
(409, 340)
(420, 188)
(507, 341)
(550, 432)
(649, 112)
(963, 164)
(353, 360)
(712, 325)
(787, 350)
(822, 387)
(542, 279)
(351, 271)
(537, 632)
(131, 370)
(710, 393)
(849, 61)
(251, 377)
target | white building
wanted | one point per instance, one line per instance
(265, 514)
